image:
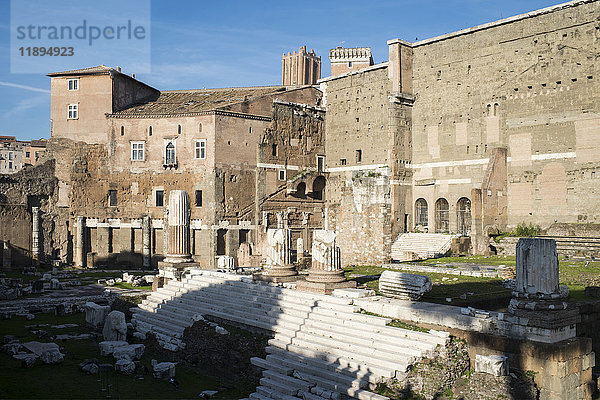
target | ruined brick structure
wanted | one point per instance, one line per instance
(125, 146)
(467, 133)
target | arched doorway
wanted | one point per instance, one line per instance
(463, 216)
(442, 216)
(318, 189)
(421, 210)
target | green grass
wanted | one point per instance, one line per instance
(484, 290)
(481, 260)
(125, 285)
(65, 381)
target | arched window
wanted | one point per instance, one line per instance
(150, 130)
(301, 190)
(200, 127)
(179, 129)
(463, 216)
(319, 188)
(122, 130)
(170, 154)
(442, 216)
(421, 210)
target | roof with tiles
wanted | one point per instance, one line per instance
(99, 69)
(181, 102)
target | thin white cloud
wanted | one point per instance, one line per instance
(25, 87)
(26, 104)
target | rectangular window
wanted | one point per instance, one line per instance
(112, 198)
(73, 111)
(10, 155)
(137, 151)
(282, 174)
(37, 155)
(159, 197)
(343, 161)
(198, 198)
(200, 149)
(320, 163)
(274, 150)
(10, 165)
(27, 154)
(73, 84)
(358, 156)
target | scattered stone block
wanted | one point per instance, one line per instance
(90, 369)
(95, 314)
(27, 360)
(129, 352)
(404, 286)
(52, 356)
(125, 366)
(158, 282)
(221, 331)
(11, 348)
(496, 365)
(139, 335)
(108, 347)
(353, 293)
(115, 327)
(164, 370)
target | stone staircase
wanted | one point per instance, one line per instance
(321, 348)
(420, 246)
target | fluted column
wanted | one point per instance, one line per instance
(35, 233)
(326, 261)
(178, 230)
(146, 232)
(79, 242)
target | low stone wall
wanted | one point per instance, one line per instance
(563, 370)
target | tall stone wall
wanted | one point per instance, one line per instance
(525, 84)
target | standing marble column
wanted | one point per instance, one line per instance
(178, 231)
(165, 229)
(326, 273)
(146, 232)
(79, 242)
(35, 234)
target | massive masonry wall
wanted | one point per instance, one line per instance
(531, 86)
(359, 147)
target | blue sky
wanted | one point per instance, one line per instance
(197, 44)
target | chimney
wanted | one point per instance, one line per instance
(118, 68)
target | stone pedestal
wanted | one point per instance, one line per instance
(279, 267)
(326, 273)
(538, 301)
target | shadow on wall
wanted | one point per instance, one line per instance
(121, 260)
(16, 258)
